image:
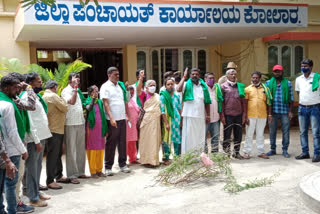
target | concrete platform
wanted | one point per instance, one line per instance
(310, 191)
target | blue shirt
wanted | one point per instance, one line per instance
(278, 106)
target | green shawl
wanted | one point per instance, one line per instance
(124, 91)
(137, 97)
(168, 102)
(25, 116)
(92, 116)
(19, 121)
(268, 94)
(44, 104)
(315, 81)
(241, 87)
(219, 96)
(188, 93)
(285, 89)
(82, 98)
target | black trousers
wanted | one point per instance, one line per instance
(116, 139)
(54, 153)
(233, 123)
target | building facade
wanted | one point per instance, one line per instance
(163, 35)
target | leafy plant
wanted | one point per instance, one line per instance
(61, 74)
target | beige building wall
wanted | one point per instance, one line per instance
(8, 46)
(129, 63)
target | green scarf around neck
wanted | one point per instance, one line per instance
(315, 81)
(241, 87)
(219, 96)
(19, 121)
(44, 104)
(82, 98)
(25, 116)
(268, 94)
(124, 91)
(188, 93)
(137, 96)
(285, 89)
(92, 116)
(168, 102)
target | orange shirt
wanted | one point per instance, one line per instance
(257, 102)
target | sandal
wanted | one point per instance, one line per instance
(74, 181)
(101, 174)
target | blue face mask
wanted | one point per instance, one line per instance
(305, 70)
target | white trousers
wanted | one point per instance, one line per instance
(258, 125)
(193, 134)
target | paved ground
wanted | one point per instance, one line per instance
(132, 193)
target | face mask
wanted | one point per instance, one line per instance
(170, 90)
(152, 89)
(305, 70)
(195, 80)
(210, 82)
(37, 89)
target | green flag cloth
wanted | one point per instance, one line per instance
(315, 81)
(268, 94)
(92, 116)
(124, 91)
(188, 93)
(168, 102)
(19, 121)
(44, 104)
(25, 116)
(219, 96)
(241, 87)
(137, 98)
(285, 89)
(82, 98)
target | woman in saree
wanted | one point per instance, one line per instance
(171, 116)
(96, 131)
(150, 127)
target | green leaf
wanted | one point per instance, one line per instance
(96, 2)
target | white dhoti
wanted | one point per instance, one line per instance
(193, 134)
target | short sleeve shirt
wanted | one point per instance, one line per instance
(304, 87)
(114, 94)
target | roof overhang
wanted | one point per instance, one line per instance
(153, 23)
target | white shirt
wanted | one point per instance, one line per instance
(194, 108)
(114, 94)
(9, 129)
(74, 115)
(39, 125)
(306, 95)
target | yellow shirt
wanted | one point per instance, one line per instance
(257, 102)
(57, 109)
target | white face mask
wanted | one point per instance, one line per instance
(152, 89)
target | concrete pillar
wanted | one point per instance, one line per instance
(129, 63)
(215, 61)
(1, 6)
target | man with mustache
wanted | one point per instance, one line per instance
(282, 102)
(258, 98)
(234, 111)
(196, 110)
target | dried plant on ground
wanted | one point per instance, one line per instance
(190, 167)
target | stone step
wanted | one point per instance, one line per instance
(310, 191)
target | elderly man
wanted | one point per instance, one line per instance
(36, 138)
(258, 98)
(74, 130)
(215, 108)
(282, 102)
(13, 131)
(115, 100)
(234, 112)
(196, 110)
(307, 86)
(57, 109)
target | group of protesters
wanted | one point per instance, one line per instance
(137, 121)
